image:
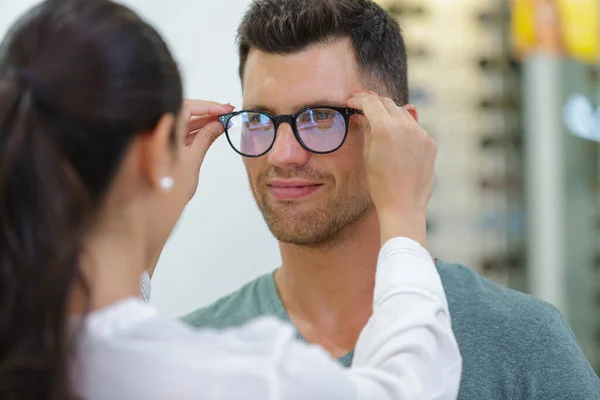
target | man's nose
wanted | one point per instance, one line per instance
(287, 151)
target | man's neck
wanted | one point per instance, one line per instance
(328, 292)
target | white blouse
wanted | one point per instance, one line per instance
(406, 351)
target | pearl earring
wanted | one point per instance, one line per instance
(166, 183)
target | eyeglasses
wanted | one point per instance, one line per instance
(320, 130)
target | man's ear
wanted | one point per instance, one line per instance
(156, 149)
(412, 110)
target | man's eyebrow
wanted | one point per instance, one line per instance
(265, 109)
(295, 109)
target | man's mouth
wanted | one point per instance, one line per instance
(281, 189)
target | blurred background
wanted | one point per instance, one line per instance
(509, 89)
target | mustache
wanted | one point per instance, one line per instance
(293, 173)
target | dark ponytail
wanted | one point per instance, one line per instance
(78, 80)
(43, 212)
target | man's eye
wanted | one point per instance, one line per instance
(321, 115)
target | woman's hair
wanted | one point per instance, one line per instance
(79, 79)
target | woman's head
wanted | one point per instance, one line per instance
(90, 99)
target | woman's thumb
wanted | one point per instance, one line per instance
(205, 137)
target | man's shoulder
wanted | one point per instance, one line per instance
(520, 346)
(250, 301)
(476, 298)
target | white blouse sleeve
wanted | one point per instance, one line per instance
(407, 350)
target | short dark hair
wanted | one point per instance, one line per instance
(290, 26)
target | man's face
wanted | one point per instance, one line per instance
(307, 199)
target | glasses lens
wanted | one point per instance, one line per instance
(321, 129)
(251, 133)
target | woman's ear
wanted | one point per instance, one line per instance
(156, 158)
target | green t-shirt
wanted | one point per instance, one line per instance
(513, 345)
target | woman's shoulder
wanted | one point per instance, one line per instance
(130, 348)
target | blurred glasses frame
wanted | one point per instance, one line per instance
(291, 119)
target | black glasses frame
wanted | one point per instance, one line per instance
(291, 119)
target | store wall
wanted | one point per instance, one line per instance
(221, 242)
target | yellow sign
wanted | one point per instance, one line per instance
(580, 28)
(567, 27)
(522, 27)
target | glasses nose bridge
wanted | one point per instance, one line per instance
(282, 119)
